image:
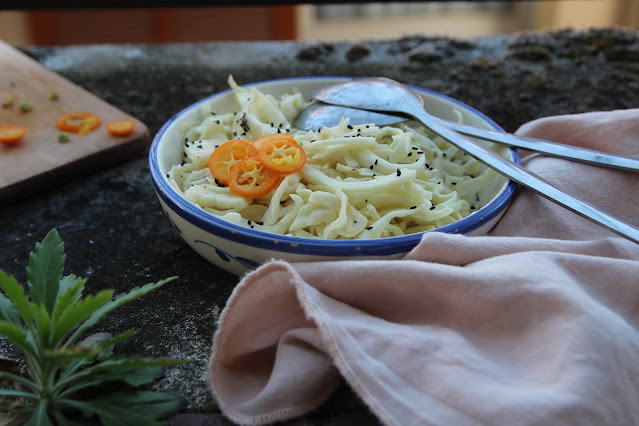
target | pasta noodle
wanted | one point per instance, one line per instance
(359, 182)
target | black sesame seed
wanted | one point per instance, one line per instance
(453, 183)
(376, 161)
(371, 167)
(413, 207)
(414, 148)
(349, 126)
(410, 153)
(370, 227)
(473, 207)
(432, 207)
(399, 172)
(420, 152)
(249, 222)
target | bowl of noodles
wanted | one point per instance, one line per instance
(363, 192)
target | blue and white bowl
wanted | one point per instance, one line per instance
(239, 249)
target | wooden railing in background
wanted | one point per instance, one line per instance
(161, 25)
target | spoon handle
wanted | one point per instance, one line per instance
(551, 148)
(528, 179)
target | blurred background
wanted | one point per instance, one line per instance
(328, 22)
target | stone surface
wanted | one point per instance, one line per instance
(116, 234)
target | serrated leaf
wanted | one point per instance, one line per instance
(44, 271)
(15, 292)
(18, 336)
(79, 312)
(43, 327)
(69, 293)
(69, 281)
(120, 300)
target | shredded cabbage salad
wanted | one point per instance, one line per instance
(359, 182)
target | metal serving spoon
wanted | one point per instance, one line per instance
(385, 95)
(321, 114)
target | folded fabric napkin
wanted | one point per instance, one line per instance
(537, 323)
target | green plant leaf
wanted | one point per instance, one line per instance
(69, 293)
(8, 311)
(17, 394)
(17, 335)
(69, 281)
(143, 376)
(120, 300)
(63, 356)
(18, 379)
(40, 416)
(15, 292)
(59, 369)
(109, 414)
(43, 327)
(44, 271)
(152, 404)
(113, 369)
(79, 312)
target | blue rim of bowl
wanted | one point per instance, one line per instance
(309, 246)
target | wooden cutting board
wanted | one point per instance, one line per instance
(39, 161)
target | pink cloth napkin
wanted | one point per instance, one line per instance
(537, 323)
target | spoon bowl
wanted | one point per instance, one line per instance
(319, 115)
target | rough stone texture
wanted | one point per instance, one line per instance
(116, 234)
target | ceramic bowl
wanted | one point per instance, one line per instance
(239, 249)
